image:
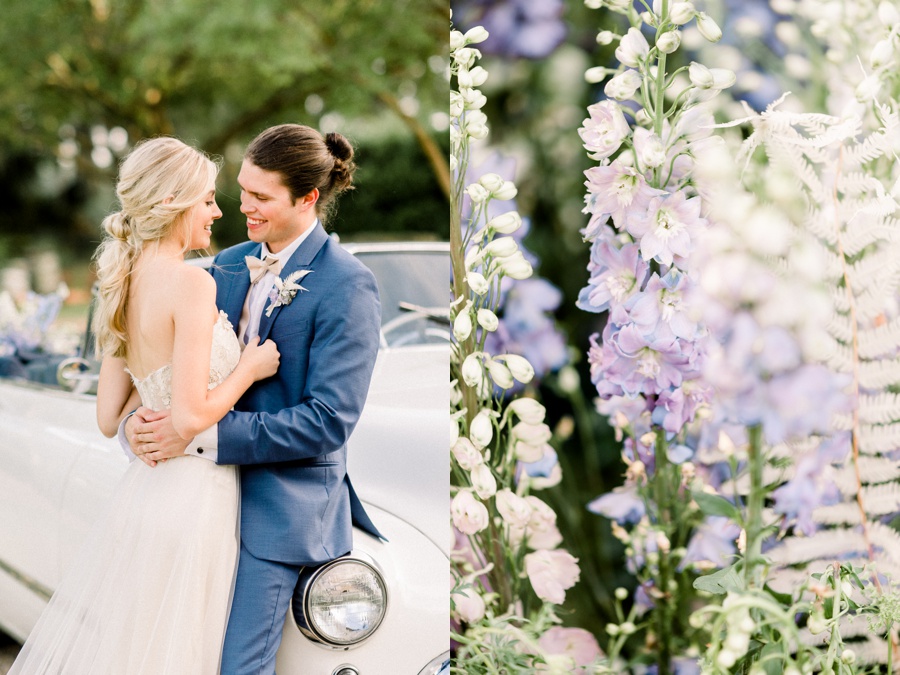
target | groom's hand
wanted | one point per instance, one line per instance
(152, 437)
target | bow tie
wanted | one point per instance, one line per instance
(258, 268)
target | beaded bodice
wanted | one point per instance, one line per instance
(156, 388)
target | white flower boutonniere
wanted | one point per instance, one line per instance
(284, 290)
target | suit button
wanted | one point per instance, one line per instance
(199, 451)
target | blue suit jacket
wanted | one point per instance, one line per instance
(289, 432)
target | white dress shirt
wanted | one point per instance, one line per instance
(206, 443)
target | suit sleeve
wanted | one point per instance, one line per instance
(342, 356)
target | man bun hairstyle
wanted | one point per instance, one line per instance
(306, 160)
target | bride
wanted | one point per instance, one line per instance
(150, 591)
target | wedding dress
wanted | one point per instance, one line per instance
(150, 591)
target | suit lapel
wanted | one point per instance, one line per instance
(239, 285)
(301, 260)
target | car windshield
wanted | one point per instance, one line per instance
(412, 285)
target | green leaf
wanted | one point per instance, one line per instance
(720, 582)
(716, 505)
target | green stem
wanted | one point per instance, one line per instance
(664, 606)
(755, 502)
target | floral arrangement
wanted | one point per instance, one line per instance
(744, 281)
(508, 570)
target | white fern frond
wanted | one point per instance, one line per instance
(875, 375)
(879, 438)
(879, 341)
(879, 408)
(826, 544)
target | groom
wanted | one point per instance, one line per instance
(289, 432)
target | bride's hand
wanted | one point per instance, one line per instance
(262, 359)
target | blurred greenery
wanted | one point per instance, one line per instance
(83, 80)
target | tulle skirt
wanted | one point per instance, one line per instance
(150, 591)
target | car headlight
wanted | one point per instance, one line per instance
(342, 602)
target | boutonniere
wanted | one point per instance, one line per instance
(284, 290)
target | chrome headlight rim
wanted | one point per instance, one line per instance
(308, 577)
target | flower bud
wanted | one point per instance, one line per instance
(473, 99)
(621, 593)
(532, 434)
(569, 380)
(457, 40)
(627, 628)
(501, 247)
(848, 656)
(528, 410)
(481, 430)
(491, 181)
(605, 37)
(612, 629)
(476, 35)
(595, 75)
(466, 56)
(472, 370)
(488, 320)
(506, 192)
(477, 283)
(623, 86)
(469, 515)
(888, 14)
(519, 367)
(652, 152)
(708, 27)
(462, 325)
(681, 12)
(477, 193)
(701, 76)
(456, 104)
(483, 481)
(633, 48)
(515, 266)
(868, 89)
(882, 53)
(468, 605)
(669, 41)
(514, 510)
(726, 658)
(500, 374)
(816, 623)
(505, 223)
(478, 76)
(466, 454)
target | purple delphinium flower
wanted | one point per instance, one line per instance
(615, 190)
(623, 504)
(518, 28)
(712, 543)
(663, 301)
(666, 226)
(616, 275)
(811, 485)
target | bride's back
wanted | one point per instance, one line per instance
(149, 314)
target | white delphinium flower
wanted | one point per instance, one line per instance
(624, 85)
(505, 223)
(487, 320)
(481, 432)
(633, 48)
(708, 27)
(681, 12)
(669, 41)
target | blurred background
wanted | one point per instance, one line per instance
(84, 80)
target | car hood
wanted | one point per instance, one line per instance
(398, 454)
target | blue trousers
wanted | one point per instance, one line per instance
(262, 595)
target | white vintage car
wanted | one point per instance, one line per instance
(57, 472)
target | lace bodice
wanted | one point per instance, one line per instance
(156, 388)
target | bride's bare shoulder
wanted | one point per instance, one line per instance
(193, 285)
